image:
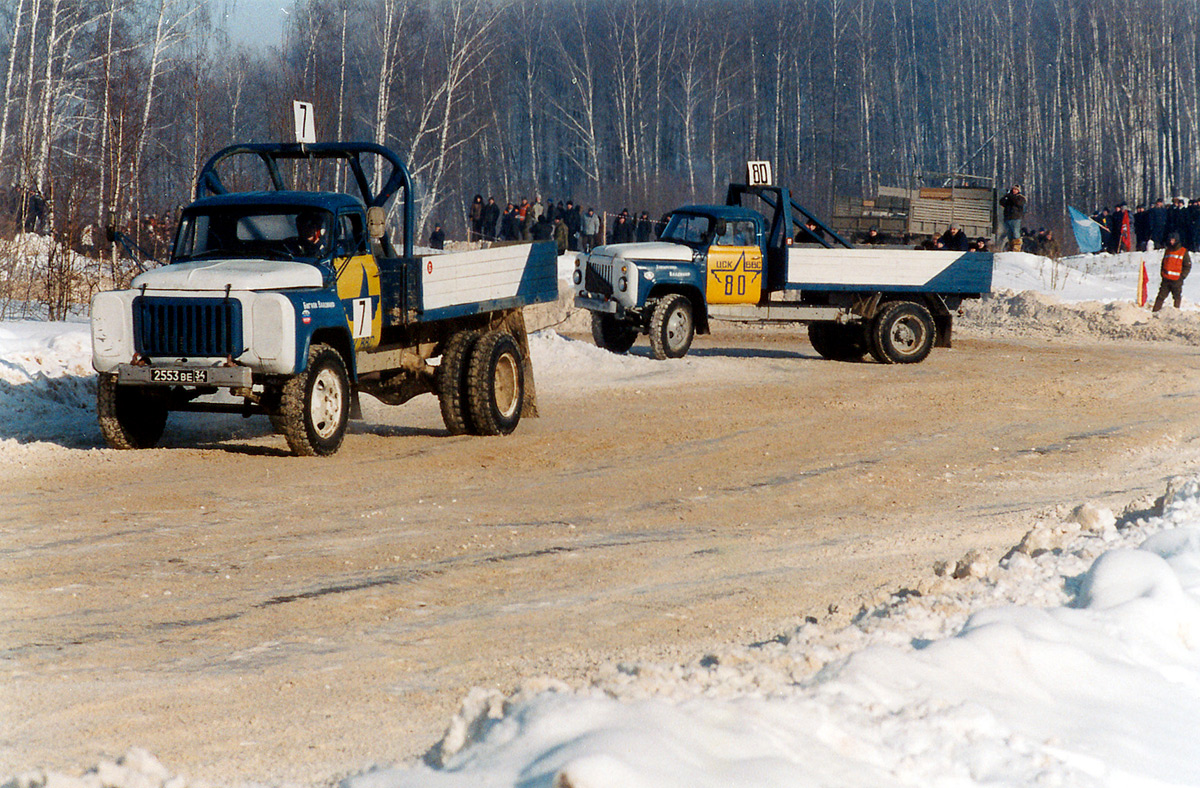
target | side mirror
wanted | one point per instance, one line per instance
(376, 221)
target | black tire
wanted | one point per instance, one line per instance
(902, 333)
(314, 407)
(611, 334)
(838, 341)
(452, 382)
(130, 416)
(672, 327)
(496, 383)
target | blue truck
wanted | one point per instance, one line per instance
(292, 303)
(780, 264)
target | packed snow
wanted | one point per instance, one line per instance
(1072, 661)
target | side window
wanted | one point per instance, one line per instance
(743, 234)
(350, 235)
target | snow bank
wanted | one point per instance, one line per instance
(1074, 665)
(1073, 661)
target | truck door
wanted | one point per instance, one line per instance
(357, 281)
(734, 264)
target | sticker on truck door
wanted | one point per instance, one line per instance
(734, 275)
(358, 288)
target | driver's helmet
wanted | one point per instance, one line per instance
(307, 222)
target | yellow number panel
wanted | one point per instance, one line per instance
(734, 275)
(358, 287)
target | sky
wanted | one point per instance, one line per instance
(255, 23)
(1073, 661)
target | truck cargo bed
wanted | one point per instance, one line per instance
(897, 270)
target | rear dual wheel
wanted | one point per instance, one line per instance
(481, 383)
(838, 341)
(901, 333)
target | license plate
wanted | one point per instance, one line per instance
(178, 376)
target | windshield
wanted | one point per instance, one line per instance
(285, 232)
(686, 228)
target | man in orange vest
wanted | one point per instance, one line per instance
(1176, 265)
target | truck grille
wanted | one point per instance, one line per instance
(598, 278)
(187, 326)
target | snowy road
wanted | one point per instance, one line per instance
(246, 615)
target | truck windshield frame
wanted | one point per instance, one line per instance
(254, 232)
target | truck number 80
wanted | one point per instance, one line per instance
(729, 284)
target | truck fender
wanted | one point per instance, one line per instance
(693, 294)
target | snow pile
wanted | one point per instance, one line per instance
(47, 386)
(1074, 661)
(1088, 296)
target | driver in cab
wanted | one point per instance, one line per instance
(310, 234)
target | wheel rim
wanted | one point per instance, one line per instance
(326, 407)
(506, 385)
(679, 325)
(907, 335)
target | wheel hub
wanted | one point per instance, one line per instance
(505, 384)
(678, 326)
(326, 409)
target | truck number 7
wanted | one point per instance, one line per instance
(362, 318)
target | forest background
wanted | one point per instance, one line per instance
(109, 107)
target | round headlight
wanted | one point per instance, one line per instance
(578, 276)
(622, 283)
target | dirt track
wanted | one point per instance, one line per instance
(246, 615)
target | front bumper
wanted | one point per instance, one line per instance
(598, 303)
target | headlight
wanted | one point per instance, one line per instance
(623, 284)
(577, 276)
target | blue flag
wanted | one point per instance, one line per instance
(1087, 231)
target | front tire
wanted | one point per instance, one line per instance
(314, 408)
(672, 327)
(130, 417)
(902, 333)
(496, 384)
(611, 334)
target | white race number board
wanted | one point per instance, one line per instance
(758, 173)
(306, 122)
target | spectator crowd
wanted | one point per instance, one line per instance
(1150, 226)
(566, 223)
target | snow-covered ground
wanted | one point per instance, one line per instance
(1074, 661)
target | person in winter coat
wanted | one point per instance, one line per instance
(1176, 265)
(574, 221)
(1141, 226)
(510, 224)
(643, 228)
(1013, 204)
(541, 230)
(437, 238)
(1158, 224)
(622, 232)
(475, 216)
(1193, 224)
(955, 240)
(1177, 220)
(490, 215)
(591, 230)
(560, 234)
